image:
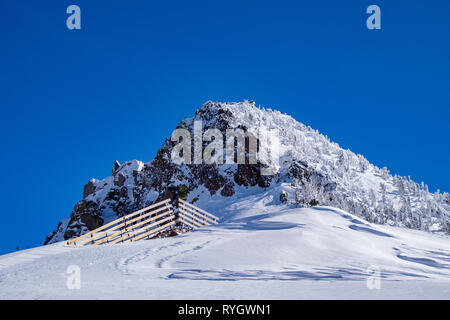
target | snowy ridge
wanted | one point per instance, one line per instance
(311, 170)
(362, 188)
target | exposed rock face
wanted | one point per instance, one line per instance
(249, 175)
(89, 188)
(283, 197)
(119, 180)
(227, 190)
(85, 215)
(116, 167)
(315, 171)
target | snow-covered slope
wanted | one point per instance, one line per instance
(264, 251)
(310, 170)
(326, 224)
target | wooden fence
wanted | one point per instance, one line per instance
(193, 216)
(146, 222)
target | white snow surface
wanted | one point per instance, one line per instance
(261, 250)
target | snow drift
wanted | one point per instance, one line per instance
(266, 251)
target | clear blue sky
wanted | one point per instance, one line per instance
(74, 101)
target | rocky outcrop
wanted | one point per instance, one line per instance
(89, 188)
(227, 190)
(86, 215)
(134, 185)
(116, 167)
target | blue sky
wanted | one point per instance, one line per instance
(74, 101)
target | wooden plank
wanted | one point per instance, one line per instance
(198, 215)
(136, 232)
(94, 231)
(193, 219)
(151, 232)
(129, 228)
(124, 224)
(197, 208)
(187, 223)
(116, 221)
(149, 207)
(170, 217)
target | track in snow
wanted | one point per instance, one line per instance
(288, 253)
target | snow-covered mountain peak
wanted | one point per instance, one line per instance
(308, 170)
